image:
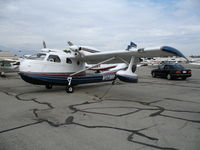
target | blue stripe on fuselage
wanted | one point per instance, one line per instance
(60, 80)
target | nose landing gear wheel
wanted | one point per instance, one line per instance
(69, 89)
(2, 74)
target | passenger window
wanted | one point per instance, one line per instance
(53, 58)
(68, 61)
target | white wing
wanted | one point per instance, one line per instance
(163, 51)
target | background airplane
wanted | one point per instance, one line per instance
(8, 65)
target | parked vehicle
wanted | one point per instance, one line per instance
(171, 71)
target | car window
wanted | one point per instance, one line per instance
(53, 58)
(177, 66)
(161, 67)
(166, 67)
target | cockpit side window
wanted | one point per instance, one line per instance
(53, 58)
(68, 61)
(39, 56)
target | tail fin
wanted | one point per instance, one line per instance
(131, 45)
(44, 44)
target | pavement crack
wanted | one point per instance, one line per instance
(159, 110)
(130, 139)
(35, 110)
(7, 93)
(184, 119)
(19, 127)
(183, 126)
(18, 97)
(179, 100)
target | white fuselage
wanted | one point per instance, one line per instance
(57, 67)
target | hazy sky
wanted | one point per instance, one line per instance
(104, 24)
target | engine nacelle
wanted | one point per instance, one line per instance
(74, 48)
(127, 76)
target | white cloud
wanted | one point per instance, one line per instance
(107, 25)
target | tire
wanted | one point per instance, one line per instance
(183, 78)
(2, 74)
(169, 76)
(113, 82)
(48, 86)
(69, 89)
(153, 74)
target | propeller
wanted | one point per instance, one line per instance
(76, 49)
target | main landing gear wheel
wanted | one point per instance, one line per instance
(113, 82)
(48, 86)
(69, 89)
(2, 74)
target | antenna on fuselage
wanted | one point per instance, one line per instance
(44, 44)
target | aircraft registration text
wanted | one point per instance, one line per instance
(108, 76)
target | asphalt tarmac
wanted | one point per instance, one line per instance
(152, 114)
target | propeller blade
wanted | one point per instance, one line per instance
(70, 43)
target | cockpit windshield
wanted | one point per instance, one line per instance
(39, 56)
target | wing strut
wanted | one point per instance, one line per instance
(93, 66)
(123, 60)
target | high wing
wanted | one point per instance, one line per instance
(118, 56)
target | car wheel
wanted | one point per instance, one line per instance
(183, 78)
(48, 86)
(69, 89)
(169, 77)
(153, 74)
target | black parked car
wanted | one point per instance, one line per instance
(171, 71)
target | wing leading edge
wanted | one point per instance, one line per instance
(163, 51)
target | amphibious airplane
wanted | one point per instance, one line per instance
(68, 67)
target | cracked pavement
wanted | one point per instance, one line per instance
(152, 114)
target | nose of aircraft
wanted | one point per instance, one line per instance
(25, 66)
